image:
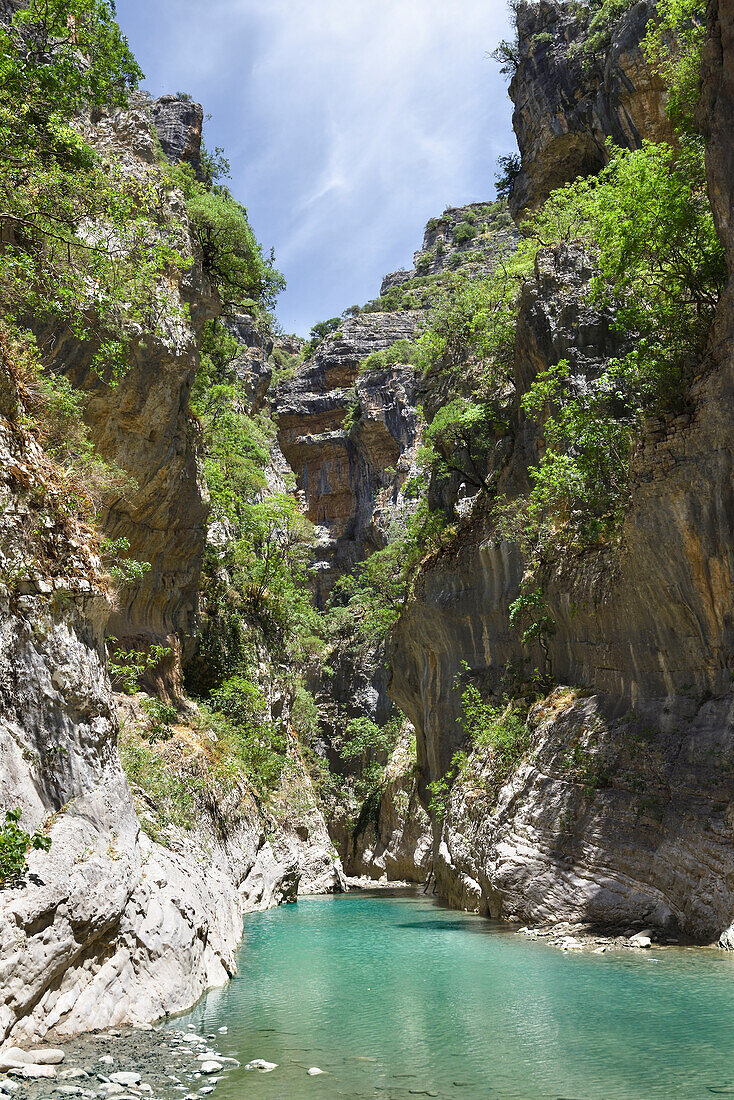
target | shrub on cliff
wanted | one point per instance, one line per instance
(401, 353)
(232, 258)
(15, 843)
(81, 240)
(661, 268)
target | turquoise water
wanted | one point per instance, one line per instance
(395, 996)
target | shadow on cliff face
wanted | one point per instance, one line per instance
(616, 817)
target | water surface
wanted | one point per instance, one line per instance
(394, 996)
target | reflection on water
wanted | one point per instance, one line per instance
(393, 996)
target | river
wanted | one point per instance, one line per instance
(394, 996)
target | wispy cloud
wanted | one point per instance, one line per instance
(348, 122)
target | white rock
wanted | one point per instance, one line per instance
(107, 1060)
(314, 1071)
(192, 1038)
(46, 1056)
(125, 1077)
(223, 1030)
(261, 1065)
(37, 1071)
(12, 1057)
(641, 939)
(144, 1088)
(211, 1067)
(206, 1090)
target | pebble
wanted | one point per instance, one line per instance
(107, 1060)
(314, 1071)
(261, 1065)
(223, 1030)
(71, 1072)
(192, 1039)
(206, 1090)
(211, 1067)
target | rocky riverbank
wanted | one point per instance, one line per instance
(129, 1064)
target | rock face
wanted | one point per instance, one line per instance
(569, 100)
(178, 124)
(347, 471)
(473, 235)
(109, 927)
(623, 806)
(143, 425)
(395, 842)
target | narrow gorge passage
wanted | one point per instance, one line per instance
(367, 689)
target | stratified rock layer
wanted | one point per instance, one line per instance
(569, 101)
(345, 470)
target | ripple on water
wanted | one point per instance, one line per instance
(394, 996)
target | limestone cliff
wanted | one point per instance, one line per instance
(573, 90)
(622, 810)
(110, 926)
(347, 466)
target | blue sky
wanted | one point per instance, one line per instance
(348, 123)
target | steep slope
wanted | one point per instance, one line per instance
(574, 87)
(109, 926)
(621, 810)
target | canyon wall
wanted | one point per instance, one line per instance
(622, 810)
(109, 926)
(572, 94)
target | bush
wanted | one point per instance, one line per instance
(464, 232)
(401, 353)
(661, 269)
(508, 169)
(15, 843)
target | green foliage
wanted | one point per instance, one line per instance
(249, 740)
(236, 445)
(475, 318)
(52, 410)
(232, 257)
(15, 843)
(128, 666)
(605, 13)
(270, 559)
(123, 569)
(174, 792)
(661, 267)
(160, 717)
(508, 169)
(423, 263)
(365, 739)
(464, 232)
(459, 437)
(352, 410)
(673, 44)
(530, 613)
(400, 353)
(319, 332)
(367, 602)
(83, 242)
